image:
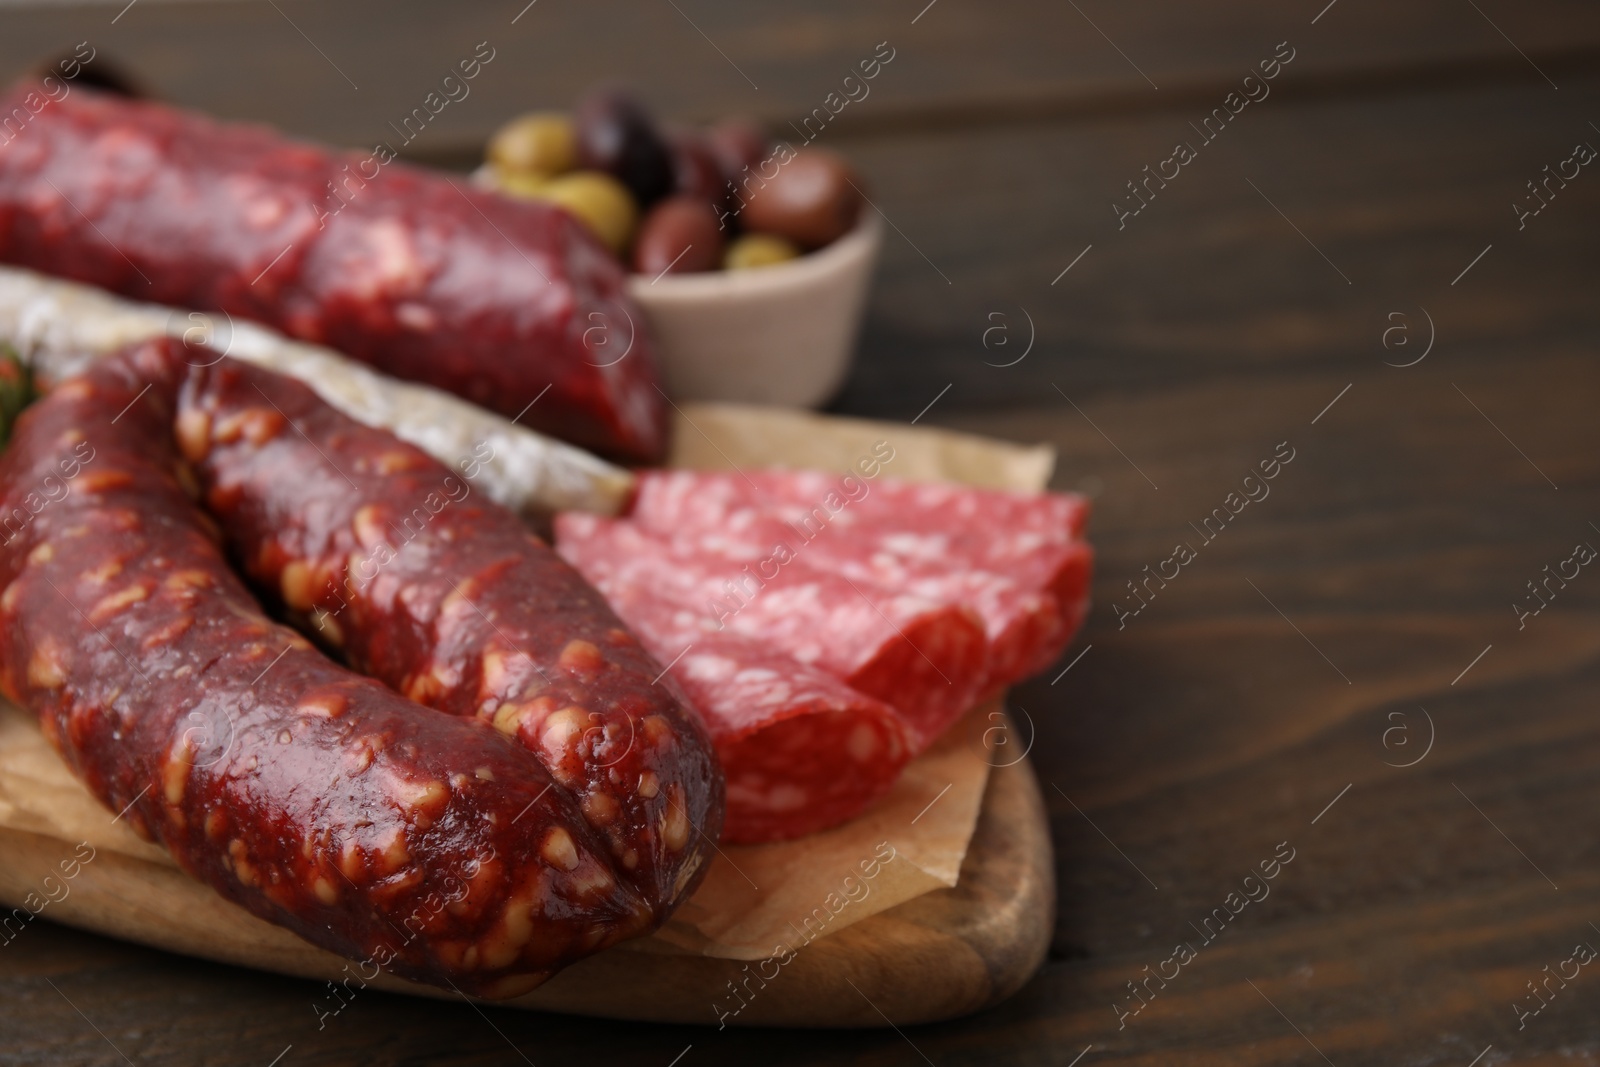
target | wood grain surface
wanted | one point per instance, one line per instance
(1271, 692)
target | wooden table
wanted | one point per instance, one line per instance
(1341, 669)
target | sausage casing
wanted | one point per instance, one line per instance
(430, 845)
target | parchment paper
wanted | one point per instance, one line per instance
(756, 900)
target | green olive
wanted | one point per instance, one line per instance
(758, 250)
(542, 143)
(599, 201)
(520, 186)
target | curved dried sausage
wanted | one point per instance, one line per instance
(427, 844)
(398, 565)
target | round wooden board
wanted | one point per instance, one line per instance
(943, 954)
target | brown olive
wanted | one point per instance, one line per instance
(758, 250)
(812, 200)
(678, 236)
(542, 144)
(617, 136)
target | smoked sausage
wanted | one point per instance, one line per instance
(426, 844)
(396, 564)
(419, 275)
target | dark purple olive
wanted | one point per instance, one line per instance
(678, 236)
(812, 200)
(695, 168)
(104, 75)
(737, 144)
(617, 136)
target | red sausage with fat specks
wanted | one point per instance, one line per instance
(426, 844)
(400, 567)
(420, 275)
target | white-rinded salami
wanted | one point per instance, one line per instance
(60, 328)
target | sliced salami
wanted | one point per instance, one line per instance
(1014, 558)
(800, 750)
(928, 660)
(682, 500)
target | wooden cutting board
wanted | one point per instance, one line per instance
(943, 954)
(939, 954)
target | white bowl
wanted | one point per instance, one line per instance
(772, 335)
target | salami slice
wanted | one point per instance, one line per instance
(800, 750)
(814, 753)
(1015, 558)
(426, 844)
(705, 499)
(410, 271)
(927, 660)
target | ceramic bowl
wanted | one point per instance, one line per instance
(773, 335)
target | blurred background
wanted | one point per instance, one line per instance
(996, 143)
(1369, 260)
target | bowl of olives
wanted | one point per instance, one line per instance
(750, 258)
